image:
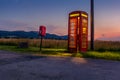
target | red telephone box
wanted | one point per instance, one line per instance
(42, 31)
(78, 31)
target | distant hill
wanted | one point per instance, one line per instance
(30, 34)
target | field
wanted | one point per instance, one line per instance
(103, 49)
(61, 44)
(47, 43)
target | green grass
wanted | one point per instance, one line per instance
(108, 55)
(34, 50)
(102, 55)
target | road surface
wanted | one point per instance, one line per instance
(24, 67)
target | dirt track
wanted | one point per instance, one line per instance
(22, 67)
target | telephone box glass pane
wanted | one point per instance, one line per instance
(84, 32)
(72, 32)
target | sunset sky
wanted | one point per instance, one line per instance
(28, 15)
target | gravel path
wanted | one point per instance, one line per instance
(19, 67)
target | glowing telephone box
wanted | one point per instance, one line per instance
(78, 31)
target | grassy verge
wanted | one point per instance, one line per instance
(36, 50)
(109, 55)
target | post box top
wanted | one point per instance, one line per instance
(43, 26)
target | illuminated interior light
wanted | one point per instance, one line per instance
(74, 15)
(84, 30)
(84, 15)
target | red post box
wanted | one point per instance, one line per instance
(42, 31)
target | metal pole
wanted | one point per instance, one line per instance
(41, 43)
(92, 25)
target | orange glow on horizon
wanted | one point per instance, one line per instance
(107, 35)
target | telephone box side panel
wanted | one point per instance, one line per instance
(84, 32)
(72, 31)
(68, 33)
(72, 39)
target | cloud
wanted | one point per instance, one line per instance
(57, 30)
(113, 36)
(10, 25)
(15, 25)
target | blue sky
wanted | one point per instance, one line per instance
(28, 15)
